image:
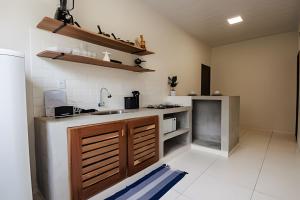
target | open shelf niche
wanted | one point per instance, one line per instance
(181, 137)
(175, 144)
(207, 134)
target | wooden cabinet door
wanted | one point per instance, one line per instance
(97, 157)
(143, 143)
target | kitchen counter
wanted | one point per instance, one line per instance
(84, 119)
(187, 100)
(216, 121)
(52, 144)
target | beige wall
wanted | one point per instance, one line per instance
(177, 53)
(263, 72)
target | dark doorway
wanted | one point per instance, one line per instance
(205, 80)
(297, 99)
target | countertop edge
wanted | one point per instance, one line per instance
(89, 118)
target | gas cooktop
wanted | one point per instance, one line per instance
(163, 106)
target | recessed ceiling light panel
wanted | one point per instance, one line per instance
(235, 20)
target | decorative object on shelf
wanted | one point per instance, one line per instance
(92, 54)
(142, 42)
(192, 93)
(106, 56)
(77, 24)
(138, 62)
(127, 41)
(217, 93)
(91, 61)
(63, 14)
(59, 27)
(102, 33)
(172, 81)
(115, 36)
(77, 51)
(60, 49)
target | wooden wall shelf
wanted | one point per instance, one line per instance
(58, 27)
(91, 61)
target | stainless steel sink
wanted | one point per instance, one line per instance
(109, 112)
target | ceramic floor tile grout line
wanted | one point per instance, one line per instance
(262, 164)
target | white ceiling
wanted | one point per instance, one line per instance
(207, 19)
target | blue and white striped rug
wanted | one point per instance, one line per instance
(152, 186)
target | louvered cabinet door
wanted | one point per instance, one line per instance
(143, 143)
(97, 158)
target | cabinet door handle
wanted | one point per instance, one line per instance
(123, 133)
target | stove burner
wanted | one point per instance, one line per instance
(163, 106)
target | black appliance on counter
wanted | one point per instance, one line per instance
(132, 102)
(70, 111)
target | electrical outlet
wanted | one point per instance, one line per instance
(61, 84)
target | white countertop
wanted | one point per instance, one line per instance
(210, 97)
(187, 100)
(85, 119)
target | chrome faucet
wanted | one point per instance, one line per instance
(102, 103)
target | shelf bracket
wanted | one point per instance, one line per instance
(59, 56)
(60, 27)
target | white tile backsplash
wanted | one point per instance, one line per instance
(83, 82)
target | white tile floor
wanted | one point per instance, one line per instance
(266, 166)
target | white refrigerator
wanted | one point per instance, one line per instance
(15, 180)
